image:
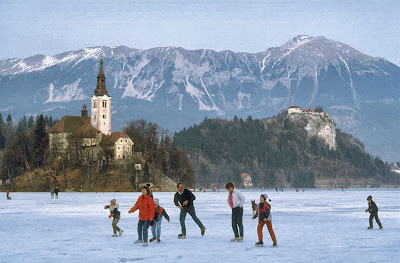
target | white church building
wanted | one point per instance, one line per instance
(92, 133)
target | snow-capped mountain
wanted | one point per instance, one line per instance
(177, 87)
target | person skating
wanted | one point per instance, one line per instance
(183, 199)
(52, 193)
(56, 192)
(265, 217)
(156, 224)
(116, 215)
(146, 207)
(7, 193)
(373, 210)
(236, 201)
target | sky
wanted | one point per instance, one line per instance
(51, 27)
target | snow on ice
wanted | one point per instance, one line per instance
(311, 226)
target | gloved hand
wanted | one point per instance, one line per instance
(151, 222)
(370, 210)
(366, 210)
(111, 215)
(106, 207)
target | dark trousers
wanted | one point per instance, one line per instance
(237, 221)
(192, 213)
(371, 217)
(143, 230)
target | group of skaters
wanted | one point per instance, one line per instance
(54, 193)
(151, 214)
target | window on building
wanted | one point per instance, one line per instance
(94, 117)
(121, 140)
(94, 104)
(126, 141)
(118, 148)
(104, 116)
(104, 104)
(102, 81)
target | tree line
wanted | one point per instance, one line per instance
(276, 152)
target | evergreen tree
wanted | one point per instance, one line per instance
(40, 142)
(30, 122)
(1, 122)
(146, 173)
(22, 125)
(9, 119)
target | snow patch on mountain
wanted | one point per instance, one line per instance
(66, 93)
(243, 100)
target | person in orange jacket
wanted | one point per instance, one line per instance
(8, 193)
(146, 207)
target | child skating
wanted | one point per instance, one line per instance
(265, 217)
(373, 210)
(156, 224)
(116, 215)
(146, 207)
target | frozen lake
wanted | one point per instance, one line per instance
(312, 226)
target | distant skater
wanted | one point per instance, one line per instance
(156, 225)
(265, 217)
(183, 199)
(52, 193)
(7, 193)
(56, 192)
(373, 210)
(146, 207)
(236, 201)
(116, 215)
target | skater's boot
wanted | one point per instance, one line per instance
(260, 243)
(370, 227)
(240, 239)
(158, 239)
(203, 230)
(235, 239)
(152, 239)
(145, 244)
(275, 244)
(182, 235)
(120, 232)
(380, 227)
(138, 241)
(114, 235)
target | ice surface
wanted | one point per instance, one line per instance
(311, 226)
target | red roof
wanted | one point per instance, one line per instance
(68, 124)
(111, 139)
(245, 175)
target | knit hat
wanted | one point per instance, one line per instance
(369, 197)
(114, 201)
(265, 197)
(157, 201)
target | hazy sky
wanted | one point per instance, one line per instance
(51, 27)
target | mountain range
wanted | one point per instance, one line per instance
(176, 87)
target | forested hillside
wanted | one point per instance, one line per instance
(277, 152)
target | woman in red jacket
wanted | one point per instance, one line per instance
(146, 207)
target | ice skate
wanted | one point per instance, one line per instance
(235, 239)
(182, 236)
(138, 241)
(275, 244)
(152, 239)
(259, 243)
(114, 235)
(120, 232)
(380, 227)
(240, 239)
(145, 244)
(370, 227)
(158, 239)
(203, 230)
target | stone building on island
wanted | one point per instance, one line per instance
(91, 135)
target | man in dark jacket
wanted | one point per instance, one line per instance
(373, 210)
(183, 199)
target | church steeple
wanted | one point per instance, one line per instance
(101, 89)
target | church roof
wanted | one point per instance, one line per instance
(113, 137)
(101, 89)
(86, 131)
(68, 124)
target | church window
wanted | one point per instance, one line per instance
(104, 116)
(126, 141)
(121, 140)
(94, 117)
(104, 104)
(94, 104)
(118, 148)
(102, 81)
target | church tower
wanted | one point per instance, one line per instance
(101, 104)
